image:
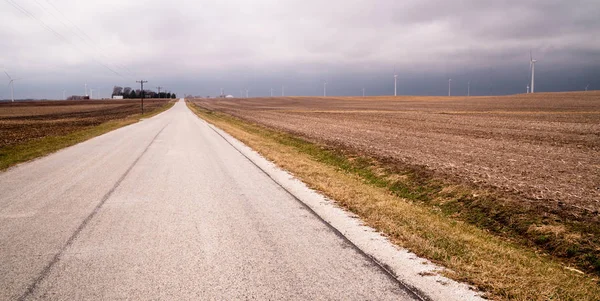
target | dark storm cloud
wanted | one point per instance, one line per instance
(200, 46)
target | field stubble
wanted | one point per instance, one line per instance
(25, 121)
(32, 129)
(526, 167)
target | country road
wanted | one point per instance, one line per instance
(167, 209)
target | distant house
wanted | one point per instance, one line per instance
(229, 96)
(117, 97)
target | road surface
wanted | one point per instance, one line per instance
(167, 209)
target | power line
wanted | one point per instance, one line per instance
(88, 41)
(57, 34)
(86, 38)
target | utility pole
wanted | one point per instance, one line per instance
(159, 87)
(142, 82)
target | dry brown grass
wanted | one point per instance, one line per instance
(501, 268)
(32, 129)
(21, 122)
(514, 163)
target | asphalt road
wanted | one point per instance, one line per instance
(167, 209)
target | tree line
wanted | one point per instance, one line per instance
(128, 92)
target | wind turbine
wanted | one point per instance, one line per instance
(282, 90)
(449, 86)
(532, 64)
(271, 92)
(11, 83)
(469, 88)
(363, 89)
(527, 88)
(586, 87)
(325, 89)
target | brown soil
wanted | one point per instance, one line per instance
(543, 146)
(25, 121)
(518, 165)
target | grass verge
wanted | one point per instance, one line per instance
(15, 154)
(500, 267)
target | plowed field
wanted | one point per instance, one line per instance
(544, 147)
(25, 121)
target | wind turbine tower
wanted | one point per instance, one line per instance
(363, 89)
(282, 90)
(469, 88)
(586, 87)
(395, 84)
(86, 94)
(325, 89)
(527, 88)
(449, 86)
(11, 83)
(271, 92)
(532, 62)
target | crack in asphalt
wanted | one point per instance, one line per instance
(44, 273)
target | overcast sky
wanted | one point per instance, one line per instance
(198, 47)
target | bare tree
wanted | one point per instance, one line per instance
(117, 90)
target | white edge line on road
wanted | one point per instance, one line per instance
(407, 267)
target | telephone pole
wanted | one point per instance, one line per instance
(159, 87)
(142, 82)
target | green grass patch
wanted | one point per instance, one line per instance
(19, 153)
(514, 237)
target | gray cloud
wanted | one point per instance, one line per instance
(197, 46)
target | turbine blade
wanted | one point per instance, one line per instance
(7, 75)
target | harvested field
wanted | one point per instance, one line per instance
(21, 122)
(530, 163)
